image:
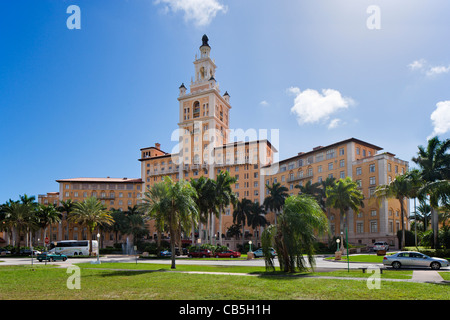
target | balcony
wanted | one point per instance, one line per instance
(297, 178)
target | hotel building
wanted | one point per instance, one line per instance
(207, 145)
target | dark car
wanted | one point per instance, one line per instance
(51, 257)
(228, 254)
(4, 252)
(202, 253)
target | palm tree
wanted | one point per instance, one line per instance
(257, 218)
(400, 189)
(90, 213)
(241, 213)
(310, 188)
(434, 164)
(344, 195)
(136, 227)
(19, 216)
(424, 214)
(66, 207)
(275, 200)
(224, 195)
(47, 215)
(295, 234)
(175, 205)
(205, 200)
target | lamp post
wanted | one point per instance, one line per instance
(98, 248)
(250, 243)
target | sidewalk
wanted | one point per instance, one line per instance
(427, 276)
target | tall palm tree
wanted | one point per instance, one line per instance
(257, 218)
(434, 164)
(400, 189)
(46, 216)
(205, 189)
(66, 207)
(175, 204)
(19, 216)
(152, 196)
(295, 234)
(224, 195)
(344, 195)
(241, 213)
(275, 200)
(90, 213)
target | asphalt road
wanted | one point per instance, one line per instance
(321, 263)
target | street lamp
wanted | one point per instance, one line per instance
(250, 243)
(337, 244)
(98, 248)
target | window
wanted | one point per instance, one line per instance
(319, 168)
(360, 227)
(310, 172)
(372, 180)
(357, 151)
(359, 183)
(373, 226)
(331, 153)
(358, 171)
(330, 166)
(342, 163)
(342, 174)
(389, 167)
(373, 213)
(372, 168)
(341, 151)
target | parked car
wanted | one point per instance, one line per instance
(203, 253)
(4, 252)
(51, 257)
(259, 253)
(27, 252)
(165, 253)
(414, 259)
(228, 254)
(381, 245)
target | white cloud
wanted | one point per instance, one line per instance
(438, 70)
(429, 70)
(334, 123)
(417, 65)
(311, 106)
(441, 118)
(264, 103)
(201, 12)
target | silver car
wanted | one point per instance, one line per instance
(414, 259)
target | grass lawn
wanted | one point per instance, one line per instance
(49, 282)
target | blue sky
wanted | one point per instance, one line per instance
(82, 102)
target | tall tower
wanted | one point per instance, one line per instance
(204, 112)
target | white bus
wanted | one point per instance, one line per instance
(74, 247)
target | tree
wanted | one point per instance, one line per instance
(241, 213)
(295, 234)
(256, 217)
(276, 198)
(400, 189)
(20, 216)
(434, 164)
(46, 216)
(205, 200)
(173, 203)
(90, 213)
(344, 195)
(224, 195)
(66, 207)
